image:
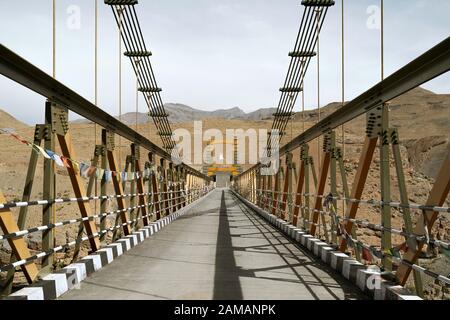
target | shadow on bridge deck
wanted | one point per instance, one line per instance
(219, 250)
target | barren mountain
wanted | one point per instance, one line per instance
(182, 113)
(9, 122)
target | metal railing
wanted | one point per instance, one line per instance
(332, 213)
(159, 190)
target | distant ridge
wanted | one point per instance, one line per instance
(7, 121)
(182, 113)
(418, 98)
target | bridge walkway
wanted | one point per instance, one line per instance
(218, 250)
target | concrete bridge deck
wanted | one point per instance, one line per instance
(218, 250)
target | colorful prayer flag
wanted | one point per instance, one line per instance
(50, 153)
(65, 162)
(350, 243)
(367, 255)
(377, 254)
(84, 168)
(75, 166)
(393, 252)
(100, 173)
(91, 171)
(19, 138)
(42, 151)
(108, 175)
(341, 229)
(55, 158)
(403, 247)
(58, 160)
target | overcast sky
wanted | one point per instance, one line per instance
(212, 54)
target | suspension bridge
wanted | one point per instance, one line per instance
(153, 227)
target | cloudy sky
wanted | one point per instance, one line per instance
(212, 54)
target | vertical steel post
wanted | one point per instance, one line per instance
(132, 160)
(287, 189)
(298, 205)
(183, 187)
(385, 183)
(333, 185)
(258, 187)
(108, 138)
(128, 163)
(164, 186)
(155, 189)
(306, 212)
(274, 205)
(49, 181)
(94, 163)
(104, 188)
(395, 142)
(178, 188)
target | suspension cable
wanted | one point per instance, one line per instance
(54, 38)
(343, 72)
(120, 84)
(136, 48)
(343, 85)
(318, 12)
(382, 40)
(137, 96)
(300, 59)
(96, 87)
(303, 109)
